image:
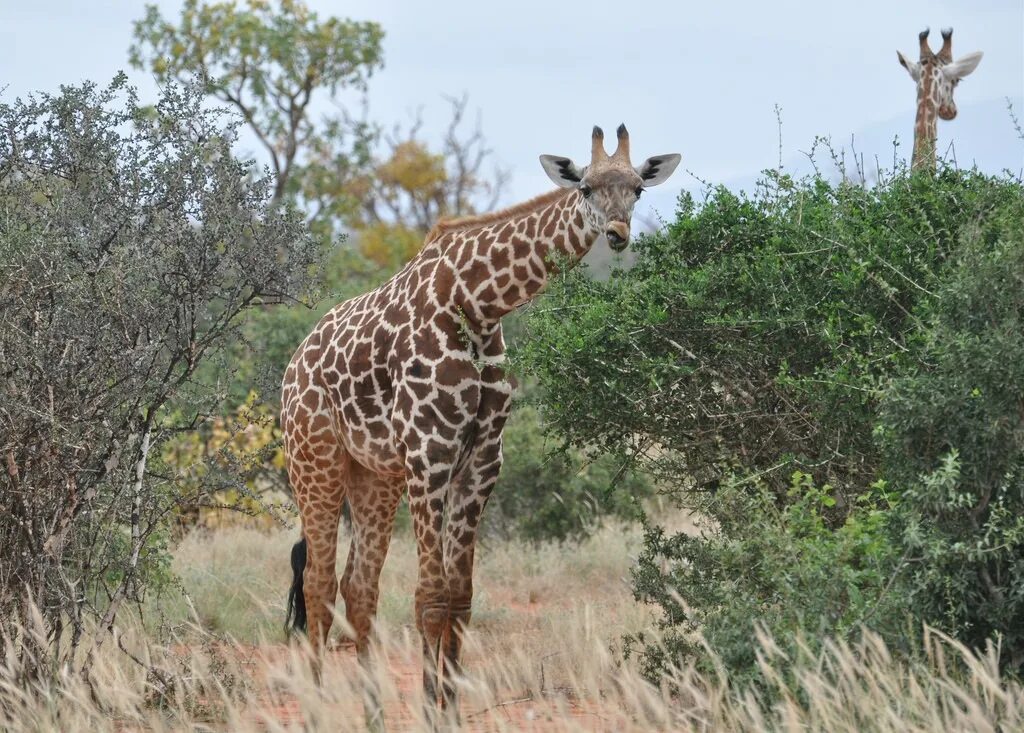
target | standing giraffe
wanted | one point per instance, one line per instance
(936, 76)
(402, 389)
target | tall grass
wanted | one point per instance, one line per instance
(542, 654)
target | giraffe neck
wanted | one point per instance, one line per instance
(502, 265)
(925, 127)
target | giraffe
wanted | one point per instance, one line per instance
(402, 390)
(936, 75)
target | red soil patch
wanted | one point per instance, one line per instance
(275, 706)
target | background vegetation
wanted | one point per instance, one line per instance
(132, 242)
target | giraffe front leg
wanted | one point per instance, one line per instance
(427, 482)
(467, 498)
(466, 505)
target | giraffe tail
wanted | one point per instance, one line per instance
(295, 621)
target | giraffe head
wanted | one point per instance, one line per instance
(610, 185)
(937, 74)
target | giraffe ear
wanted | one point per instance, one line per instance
(658, 168)
(962, 66)
(913, 68)
(561, 170)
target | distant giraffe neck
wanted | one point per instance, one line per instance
(501, 265)
(926, 124)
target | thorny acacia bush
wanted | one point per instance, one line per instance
(829, 374)
(131, 241)
(952, 427)
(548, 494)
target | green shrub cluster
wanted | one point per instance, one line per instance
(548, 494)
(831, 375)
(952, 429)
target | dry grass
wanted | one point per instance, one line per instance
(541, 655)
(236, 580)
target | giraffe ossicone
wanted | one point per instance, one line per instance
(936, 76)
(402, 390)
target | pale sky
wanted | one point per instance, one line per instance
(700, 79)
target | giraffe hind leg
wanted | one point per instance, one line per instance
(373, 501)
(319, 473)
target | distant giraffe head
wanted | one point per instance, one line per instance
(610, 184)
(936, 75)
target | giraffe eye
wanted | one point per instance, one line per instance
(586, 191)
(639, 190)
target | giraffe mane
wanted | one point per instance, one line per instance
(443, 226)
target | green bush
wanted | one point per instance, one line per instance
(953, 431)
(784, 570)
(852, 337)
(544, 494)
(756, 334)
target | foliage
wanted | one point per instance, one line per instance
(236, 462)
(409, 187)
(544, 494)
(853, 335)
(266, 60)
(953, 431)
(131, 241)
(755, 333)
(785, 571)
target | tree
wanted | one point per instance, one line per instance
(131, 242)
(268, 61)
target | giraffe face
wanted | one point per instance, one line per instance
(944, 96)
(610, 185)
(937, 75)
(609, 195)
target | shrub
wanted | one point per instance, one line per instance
(131, 241)
(787, 570)
(953, 431)
(547, 494)
(850, 336)
(236, 463)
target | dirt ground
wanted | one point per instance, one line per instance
(537, 656)
(553, 709)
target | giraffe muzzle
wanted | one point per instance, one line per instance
(617, 233)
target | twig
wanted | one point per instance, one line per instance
(504, 703)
